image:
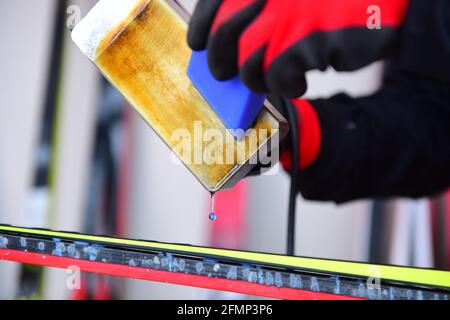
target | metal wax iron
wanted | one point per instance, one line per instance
(140, 47)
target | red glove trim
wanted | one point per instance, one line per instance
(310, 135)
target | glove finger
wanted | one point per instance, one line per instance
(232, 19)
(338, 49)
(252, 74)
(286, 78)
(252, 51)
(201, 23)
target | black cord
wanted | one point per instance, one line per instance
(291, 113)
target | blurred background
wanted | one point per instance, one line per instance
(74, 156)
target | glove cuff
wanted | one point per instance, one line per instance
(310, 136)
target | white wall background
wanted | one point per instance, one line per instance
(24, 28)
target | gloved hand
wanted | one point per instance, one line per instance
(308, 134)
(272, 43)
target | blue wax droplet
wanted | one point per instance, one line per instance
(212, 216)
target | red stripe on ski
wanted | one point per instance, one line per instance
(197, 281)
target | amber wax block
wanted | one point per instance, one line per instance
(140, 47)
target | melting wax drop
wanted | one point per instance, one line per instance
(212, 215)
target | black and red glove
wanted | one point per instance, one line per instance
(272, 43)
